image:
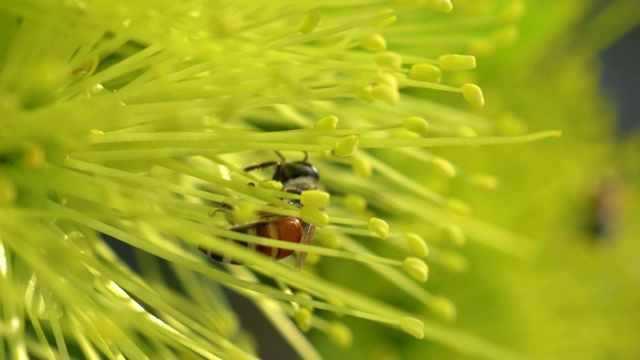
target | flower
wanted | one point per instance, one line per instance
(134, 121)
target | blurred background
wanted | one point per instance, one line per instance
(620, 78)
(577, 198)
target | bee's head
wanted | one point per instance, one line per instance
(289, 170)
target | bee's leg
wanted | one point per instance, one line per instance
(224, 207)
(261, 165)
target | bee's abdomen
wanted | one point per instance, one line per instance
(285, 229)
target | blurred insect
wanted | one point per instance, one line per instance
(606, 209)
(296, 177)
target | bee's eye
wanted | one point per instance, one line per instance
(292, 170)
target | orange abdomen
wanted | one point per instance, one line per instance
(286, 229)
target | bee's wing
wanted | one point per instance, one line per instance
(306, 239)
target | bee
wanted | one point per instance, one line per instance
(296, 177)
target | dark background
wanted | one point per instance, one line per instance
(621, 79)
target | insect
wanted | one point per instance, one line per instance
(606, 209)
(296, 177)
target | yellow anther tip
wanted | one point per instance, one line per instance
(513, 11)
(379, 227)
(473, 94)
(315, 198)
(389, 19)
(347, 146)
(310, 22)
(458, 206)
(331, 240)
(416, 268)
(373, 42)
(455, 62)
(417, 244)
(8, 191)
(327, 123)
(412, 326)
(416, 124)
(385, 94)
(389, 59)
(444, 167)
(425, 72)
(455, 235)
(355, 203)
(444, 308)
(340, 334)
(304, 318)
(361, 166)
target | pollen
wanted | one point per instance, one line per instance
(454, 261)
(425, 72)
(340, 334)
(457, 206)
(444, 308)
(310, 22)
(455, 234)
(416, 268)
(361, 166)
(33, 157)
(417, 244)
(416, 124)
(327, 123)
(473, 94)
(465, 131)
(304, 318)
(388, 79)
(8, 191)
(346, 146)
(405, 134)
(306, 296)
(243, 214)
(390, 19)
(388, 59)
(365, 93)
(484, 181)
(386, 94)
(454, 62)
(373, 42)
(379, 227)
(331, 240)
(355, 203)
(444, 167)
(335, 301)
(513, 12)
(315, 198)
(412, 326)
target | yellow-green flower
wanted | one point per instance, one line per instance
(134, 121)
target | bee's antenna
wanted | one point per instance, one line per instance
(306, 156)
(279, 155)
